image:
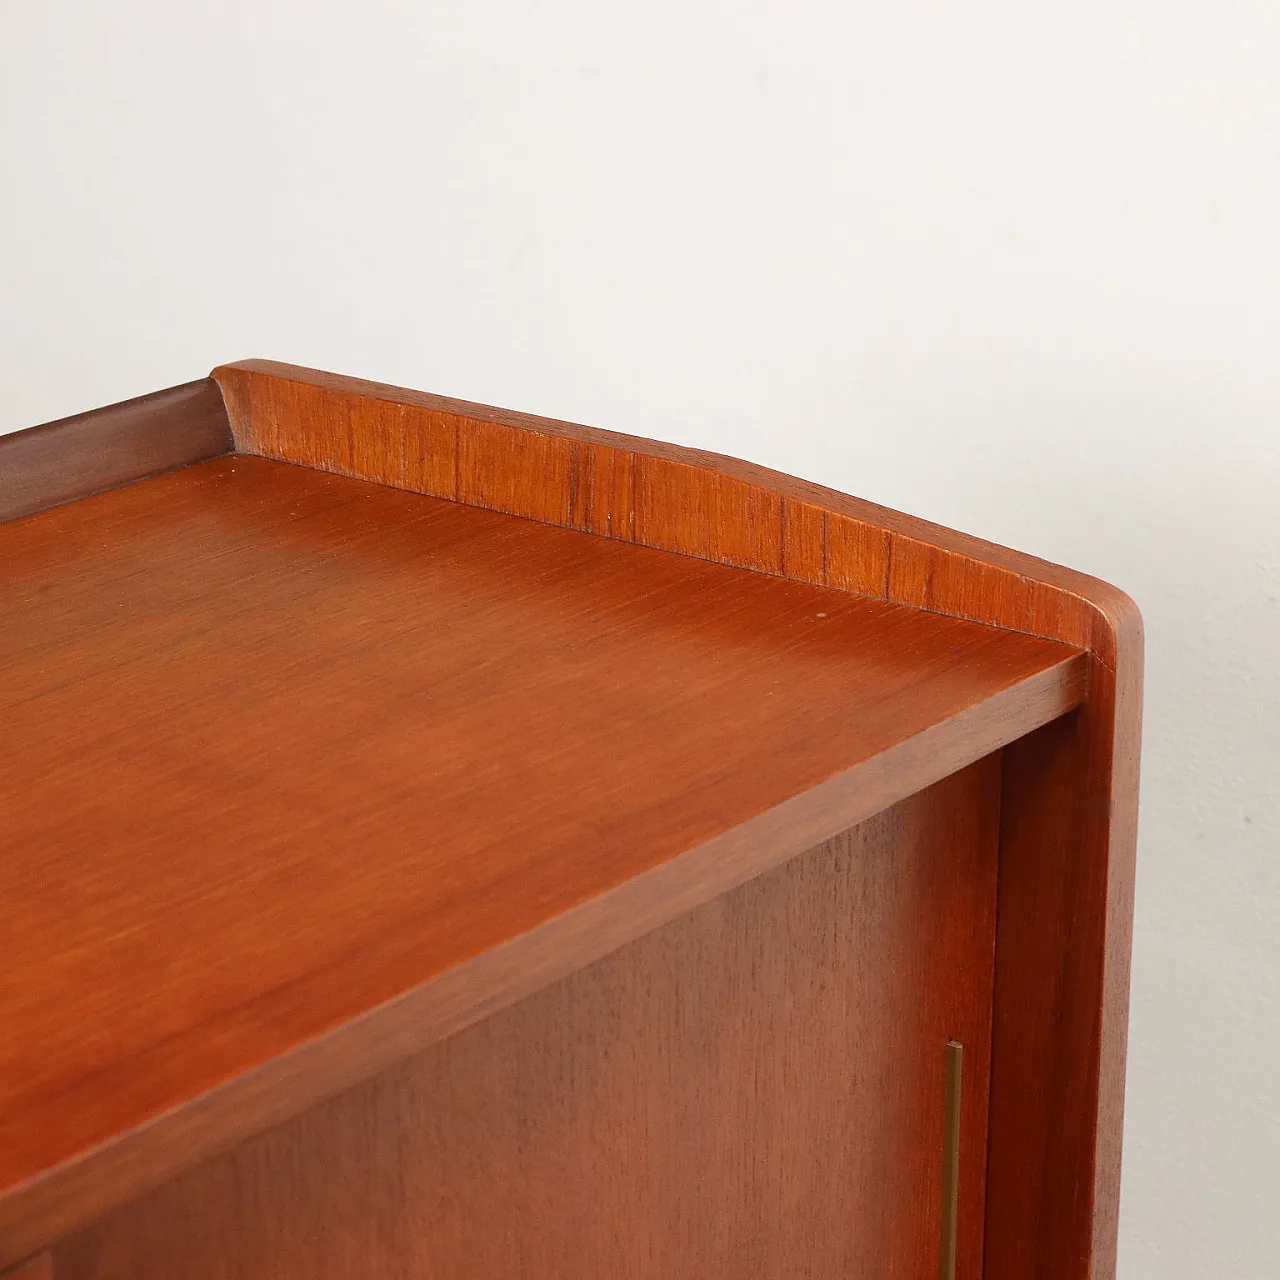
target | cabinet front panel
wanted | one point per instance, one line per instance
(758, 1089)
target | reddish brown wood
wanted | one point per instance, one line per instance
(661, 495)
(755, 1089)
(40, 1268)
(171, 646)
(1063, 984)
(1071, 794)
(303, 774)
(68, 459)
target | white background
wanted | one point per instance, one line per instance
(1013, 266)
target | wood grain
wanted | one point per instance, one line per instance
(659, 495)
(755, 1089)
(73, 457)
(1069, 791)
(1071, 795)
(40, 1268)
(1062, 990)
(304, 774)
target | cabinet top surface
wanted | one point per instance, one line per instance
(281, 745)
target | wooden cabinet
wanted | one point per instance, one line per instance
(441, 842)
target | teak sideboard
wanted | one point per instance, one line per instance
(441, 842)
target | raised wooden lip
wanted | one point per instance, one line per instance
(715, 508)
(917, 562)
(87, 453)
(921, 564)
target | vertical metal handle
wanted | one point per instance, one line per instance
(951, 1162)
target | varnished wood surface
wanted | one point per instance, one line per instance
(40, 1268)
(73, 457)
(283, 747)
(753, 1090)
(1062, 986)
(659, 495)
(1072, 791)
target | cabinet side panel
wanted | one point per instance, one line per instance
(1068, 836)
(755, 1089)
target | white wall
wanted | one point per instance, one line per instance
(1015, 266)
